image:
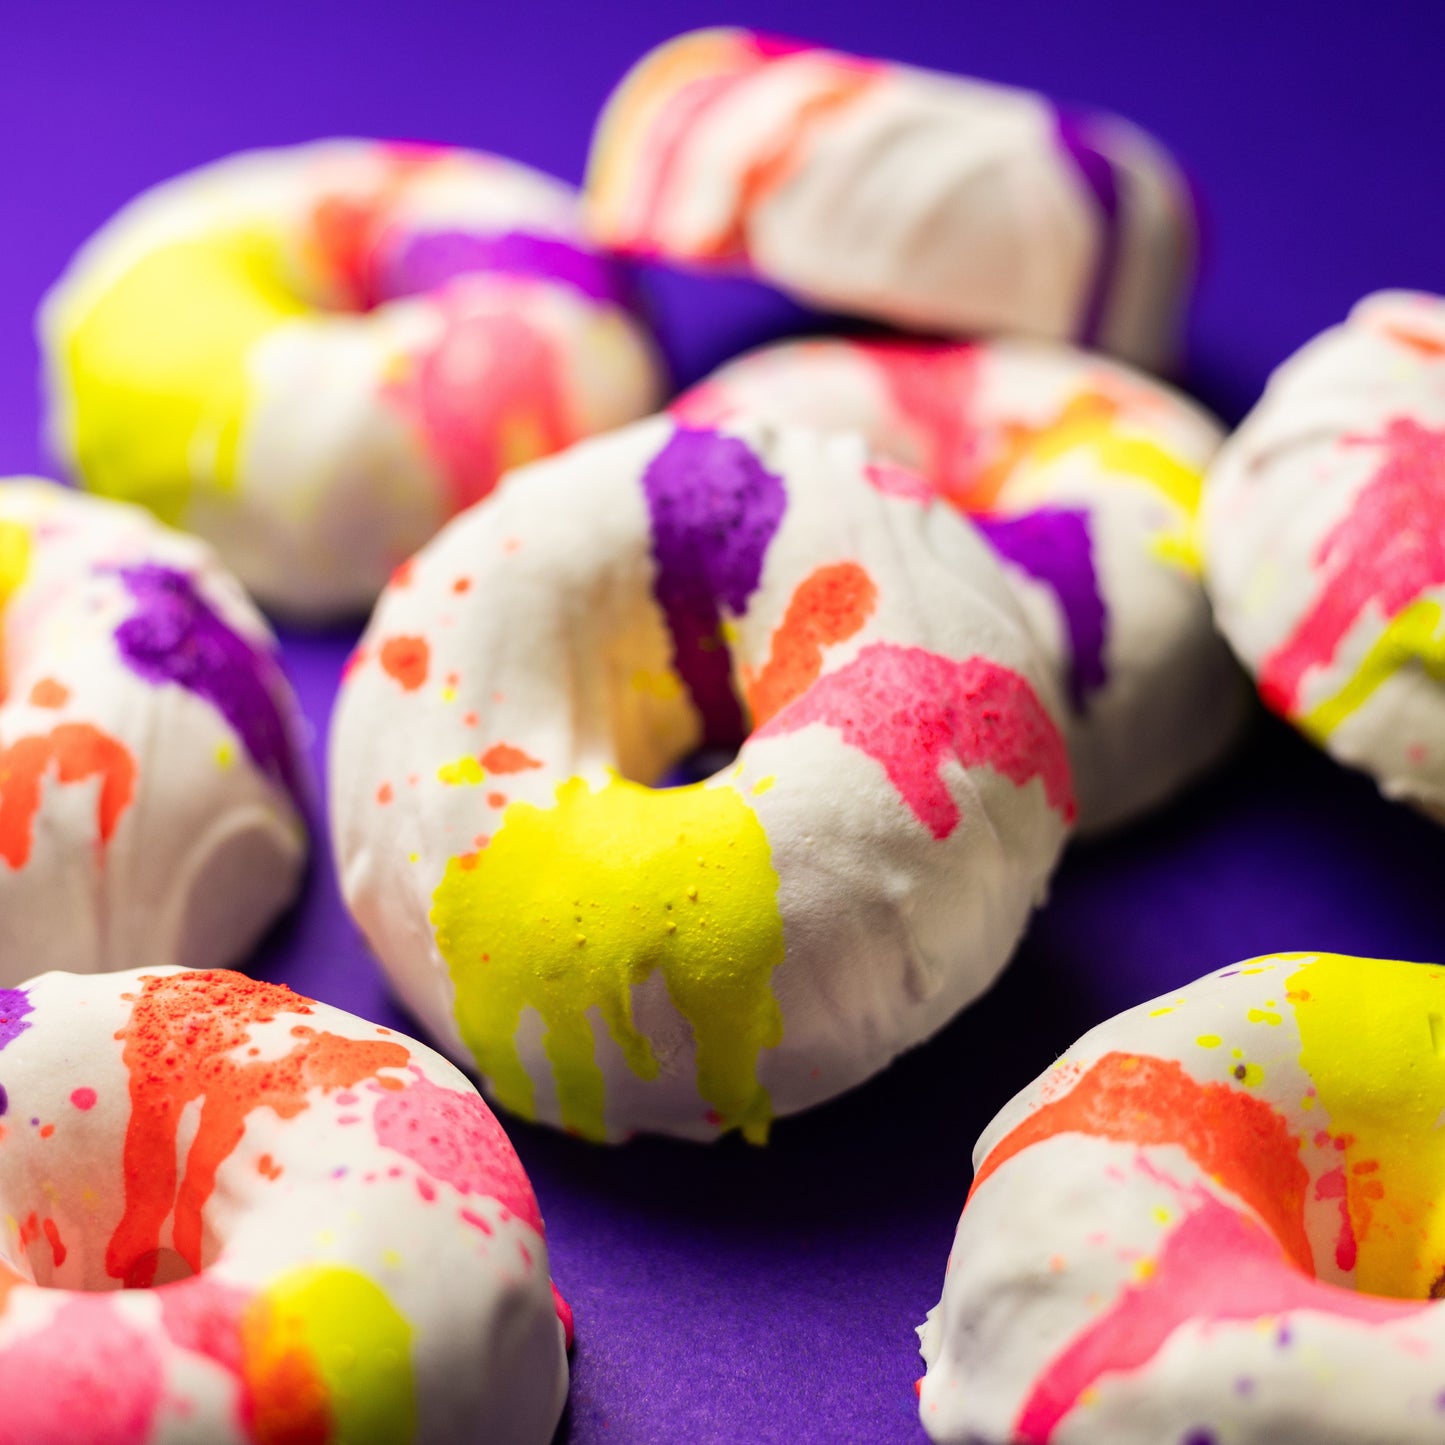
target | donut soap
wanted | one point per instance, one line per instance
(1085, 476)
(151, 785)
(313, 356)
(1324, 530)
(230, 1215)
(925, 200)
(614, 957)
(1217, 1218)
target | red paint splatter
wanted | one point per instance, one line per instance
(1385, 552)
(564, 1313)
(1232, 1136)
(83, 1099)
(75, 752)
(268, 1168)
(406, 659)
(58, 1250)
(829, 606)
(1216, 1265)
(49, 693)
(503, 758)
(178, 1049)
(912, 710)
(1333, 1185)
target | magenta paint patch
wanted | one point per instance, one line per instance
(456, 1139)
(427, 260)
(911, 710)
(715, 510)
(1052, 544)
(15, 1009)
(177, 638)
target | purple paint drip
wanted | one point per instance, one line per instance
(1052, 544)
(428, 260)
(1098, 173)
(15, 1005)
(715, 509)
(177, 638)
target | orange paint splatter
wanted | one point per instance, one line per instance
(496, 800)
(267, 1167)
(406, 659)
(829, 606)
(75, 752)
(49, 693)
(1231, 1135)
(179, 1048)
(384, 794)
(1431, 346)
(503, 758)
(289, 1401)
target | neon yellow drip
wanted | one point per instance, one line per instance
(570, 908)
(14, 560)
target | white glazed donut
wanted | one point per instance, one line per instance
(926, 200)
(322, 1231)
(1085, 476)
(151, 783)
(1324, 534)
(614, 957)
(314, 356)
(1216, 1219)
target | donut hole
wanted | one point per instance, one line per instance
(696, 766)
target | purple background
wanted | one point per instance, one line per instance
(740, 1295)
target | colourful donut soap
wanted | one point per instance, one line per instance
(151, 782)
(614, 957)
(925, 200)
(1324, 532)
(1085, 476)
(1217, 1218)
(230, 1215)
(314, 356)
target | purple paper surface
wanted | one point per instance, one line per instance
(730, 1294)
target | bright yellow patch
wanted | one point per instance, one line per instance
(157, 367)
(464, 771)
(1368, 1030)
(1262, 1016)
(1208, 1041)
(14, 560)
(570, 908)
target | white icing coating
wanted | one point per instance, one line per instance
(1323, 521)
(927, 200)
(617, 958)
(150, 774)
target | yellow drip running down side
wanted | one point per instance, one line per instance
(156, 367)
(1373, 1042)
(14, 560)
(570, 908)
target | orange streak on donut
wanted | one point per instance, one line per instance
(1236, 1139)
(179, 1049)
(406, 659)
(503, 758)
(76, 751)
(830, 605)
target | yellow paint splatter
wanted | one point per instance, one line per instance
(14, 560)
(678, 880)
(763, 785)
(1262, 1016)
(1415, 636)
(225, 756)
(156, 363)
(466, 772)
(1369, 1045)
(1209, 1041)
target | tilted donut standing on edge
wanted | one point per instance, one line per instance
(1085, 476)
(233, 1215)
(1324, 538)
(617, 958)
(314, 356)
(926, 200)
(1217, 1217)
(152, 783)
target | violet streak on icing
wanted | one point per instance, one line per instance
(175, 637)
(426, 261)
(15, 1005)
(1097, 172)
(714, 510)
(1052, 544)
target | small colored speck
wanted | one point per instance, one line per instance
(83, 1099)
(225, 755)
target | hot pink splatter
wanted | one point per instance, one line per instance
(911, 710)
(1333, 1185)
(1216, 1265)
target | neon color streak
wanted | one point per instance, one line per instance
(911, 711)
(1215, 1266)
(15, 1009)
(454, 1137)
(486, 394)
(1235, 1138)
(85, 1375)
(178, 1048)
(177, 637)
(1379, 555)
(829, 606)
(1432, 347)
(76, 752)
(714, 511)
(1368, 1032)
(1053, 545)
(571, 907)
(406, 660)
